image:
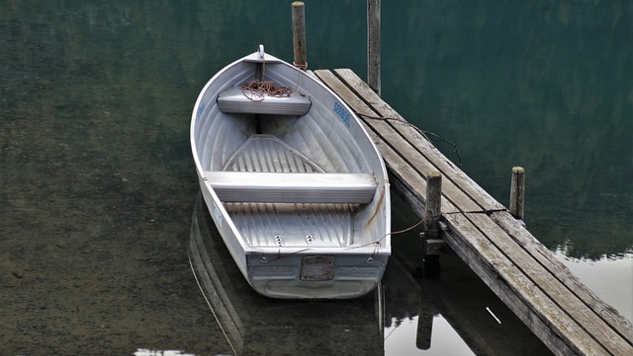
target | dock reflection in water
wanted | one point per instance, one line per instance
(455, 315)
(254, 324)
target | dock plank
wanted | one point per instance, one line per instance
(546, 258)
(524, 298)
(552, 286)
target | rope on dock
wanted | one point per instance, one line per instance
(419, 130)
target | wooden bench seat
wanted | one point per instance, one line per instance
(265, 187)
(234, 100)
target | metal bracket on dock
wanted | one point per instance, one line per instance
(433, 246)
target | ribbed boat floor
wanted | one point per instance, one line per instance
(279, 225)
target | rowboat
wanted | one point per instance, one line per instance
(295, 186)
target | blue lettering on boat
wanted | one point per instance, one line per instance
(217, 214)
(200, 110)
(342, 113)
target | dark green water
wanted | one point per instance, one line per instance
(546, 85)
(97, 185)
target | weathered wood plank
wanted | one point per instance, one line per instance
(569, 302)
(545, 257)
(545, 318)
(406, 180)
(407, 153)
(445, 166)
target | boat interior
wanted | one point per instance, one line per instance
(296, 218)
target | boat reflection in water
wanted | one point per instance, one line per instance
(254, 324)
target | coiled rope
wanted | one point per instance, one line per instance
(257, 90)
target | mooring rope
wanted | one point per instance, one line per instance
(419, 130)
(378, 243)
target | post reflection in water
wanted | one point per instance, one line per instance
(456, 315)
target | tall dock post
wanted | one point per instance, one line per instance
(299, 35)
(432, 213)
(373, 45)
(517, 193)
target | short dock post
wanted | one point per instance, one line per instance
(433, 204)
(432, 213)
(299, 35)
(517, 192)
(373, 45)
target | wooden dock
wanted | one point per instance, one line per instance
(562, 312)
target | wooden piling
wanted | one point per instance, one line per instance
(433, 205)
(517, 192)
(431, 241)
(373, 45)
(299, 35)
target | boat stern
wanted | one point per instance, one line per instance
(315, 276)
